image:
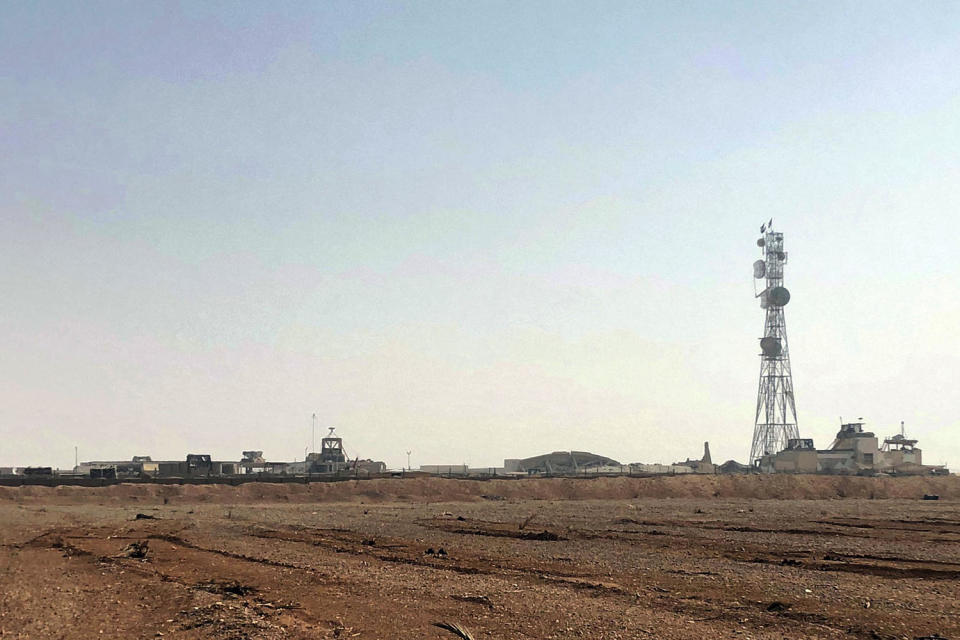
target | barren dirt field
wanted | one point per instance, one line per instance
(611, 558)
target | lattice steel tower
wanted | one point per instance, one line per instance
(776, 417)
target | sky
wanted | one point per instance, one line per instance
(472, 231)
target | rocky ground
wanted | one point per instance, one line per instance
(503, 567)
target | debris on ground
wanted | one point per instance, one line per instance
(480, 599)
(227, 588)
(136, 550)
(527, 520)
(455, 629)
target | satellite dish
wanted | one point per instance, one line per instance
(759, 269)
(771, 346)
(760, 242)
(779, 296)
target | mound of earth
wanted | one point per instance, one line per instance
(436, 489)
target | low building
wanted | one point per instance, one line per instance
(899, 451)
(297, 468)
(461, 470)
(370, 467)
(445, 469)
(560, 463)
(800, 456)
(144, 467)
(655, 468)
(703, 465)
(853, 451)
(112, 469)
(252, 462)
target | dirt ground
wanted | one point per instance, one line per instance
(387, 559)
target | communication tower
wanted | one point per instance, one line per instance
(776, 417)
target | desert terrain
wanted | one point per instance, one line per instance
(681, 557)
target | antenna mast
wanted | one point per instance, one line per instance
(776, 417)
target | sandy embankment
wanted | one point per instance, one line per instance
(454, 490)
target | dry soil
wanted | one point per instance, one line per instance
(706, 557)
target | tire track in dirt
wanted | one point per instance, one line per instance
(690, 574)
(598, 585)
(244, 611)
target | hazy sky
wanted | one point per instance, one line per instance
(474, 230)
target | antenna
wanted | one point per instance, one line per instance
(775, 421)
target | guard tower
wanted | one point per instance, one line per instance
(331, 457)
(775, 422)
(331, 448)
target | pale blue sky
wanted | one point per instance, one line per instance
(473, 230)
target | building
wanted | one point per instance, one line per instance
(898, 451)
(560, 463)
(800, 456)
(369, 467)
(656, 468)
(331, 458)
(703, 465)
(195, 465)
(461, 470)
(853, 451)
